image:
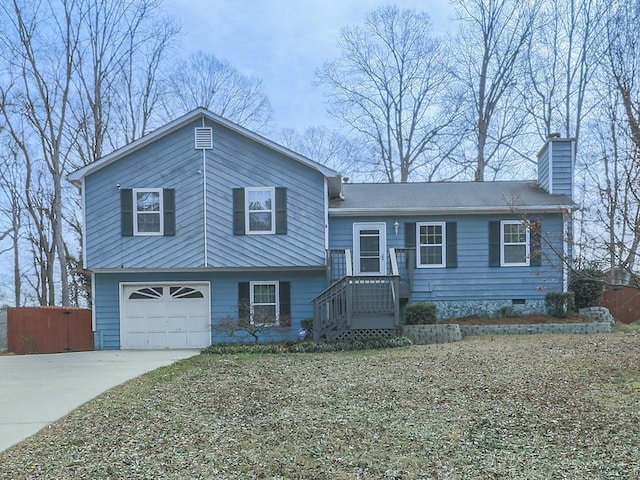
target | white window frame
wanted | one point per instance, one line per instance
(136, 212)
(252, 303)
(247, 212)
(443, 245)
(527, 244)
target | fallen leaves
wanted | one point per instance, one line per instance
(530, 407)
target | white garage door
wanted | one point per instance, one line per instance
(165, 316)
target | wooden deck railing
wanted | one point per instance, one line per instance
(361, 301)
(403, 260)
(357, 302)
(338, 264)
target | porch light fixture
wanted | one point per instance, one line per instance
(396, 227)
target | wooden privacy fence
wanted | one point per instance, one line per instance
(49, 329)
(622, 302)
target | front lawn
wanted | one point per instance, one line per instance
(529, 407)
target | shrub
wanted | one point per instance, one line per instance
(308, 347)
(560, 304)
(307, 324)
(587, 286)
(421, 314)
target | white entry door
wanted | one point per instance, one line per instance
(157, 316)
(369, 247)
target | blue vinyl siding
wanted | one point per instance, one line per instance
(562, 167)
(224, 300)
(555, 166)
(169, 162)
(235, 161)
(472, 279)
(543, 169)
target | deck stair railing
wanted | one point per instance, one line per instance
(403, 262)
(358, 302)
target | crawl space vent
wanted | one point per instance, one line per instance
(204, 138)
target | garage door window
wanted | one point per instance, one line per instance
(185, 292)
(147, 293)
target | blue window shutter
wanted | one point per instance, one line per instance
(452, 244)
(238, 211)
(169, 205)
(494, 244)
(285, 304)
(126, 212)
(535, 248)
(244, 301)
(410, 234)
(281, 210)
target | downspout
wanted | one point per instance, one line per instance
(565, 251)
(83, 190)
(550, 163)
(204, 200)
(326, 214)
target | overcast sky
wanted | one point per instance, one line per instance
(283, 42)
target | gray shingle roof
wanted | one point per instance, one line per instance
(446, 197)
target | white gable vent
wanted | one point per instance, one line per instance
(204, 138)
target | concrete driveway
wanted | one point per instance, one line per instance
(36, 390)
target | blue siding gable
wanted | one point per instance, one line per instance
(172, 162)
(237, 163)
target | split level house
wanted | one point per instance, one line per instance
(203, 223)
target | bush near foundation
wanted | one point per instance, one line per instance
(587, 285)
(560, 304)
(421, 314)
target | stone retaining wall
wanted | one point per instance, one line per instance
(452, 332)
(597, 314)
(426, 334)
(596, 327)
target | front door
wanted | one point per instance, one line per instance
(369, 246)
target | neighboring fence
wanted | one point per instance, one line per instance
(623, 303)
(49, 330)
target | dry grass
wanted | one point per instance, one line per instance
(530, 407)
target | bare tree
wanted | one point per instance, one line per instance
(11, 218)
(493, 37)
(623, 30)
(613, 175)
(389, 85)
(38, 112)
(330, 148)
(202, 80)
(123, 45)
(563, 55)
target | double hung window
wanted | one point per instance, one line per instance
(432, 244)
(514, 238)
(260, 211)
(147, 205)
